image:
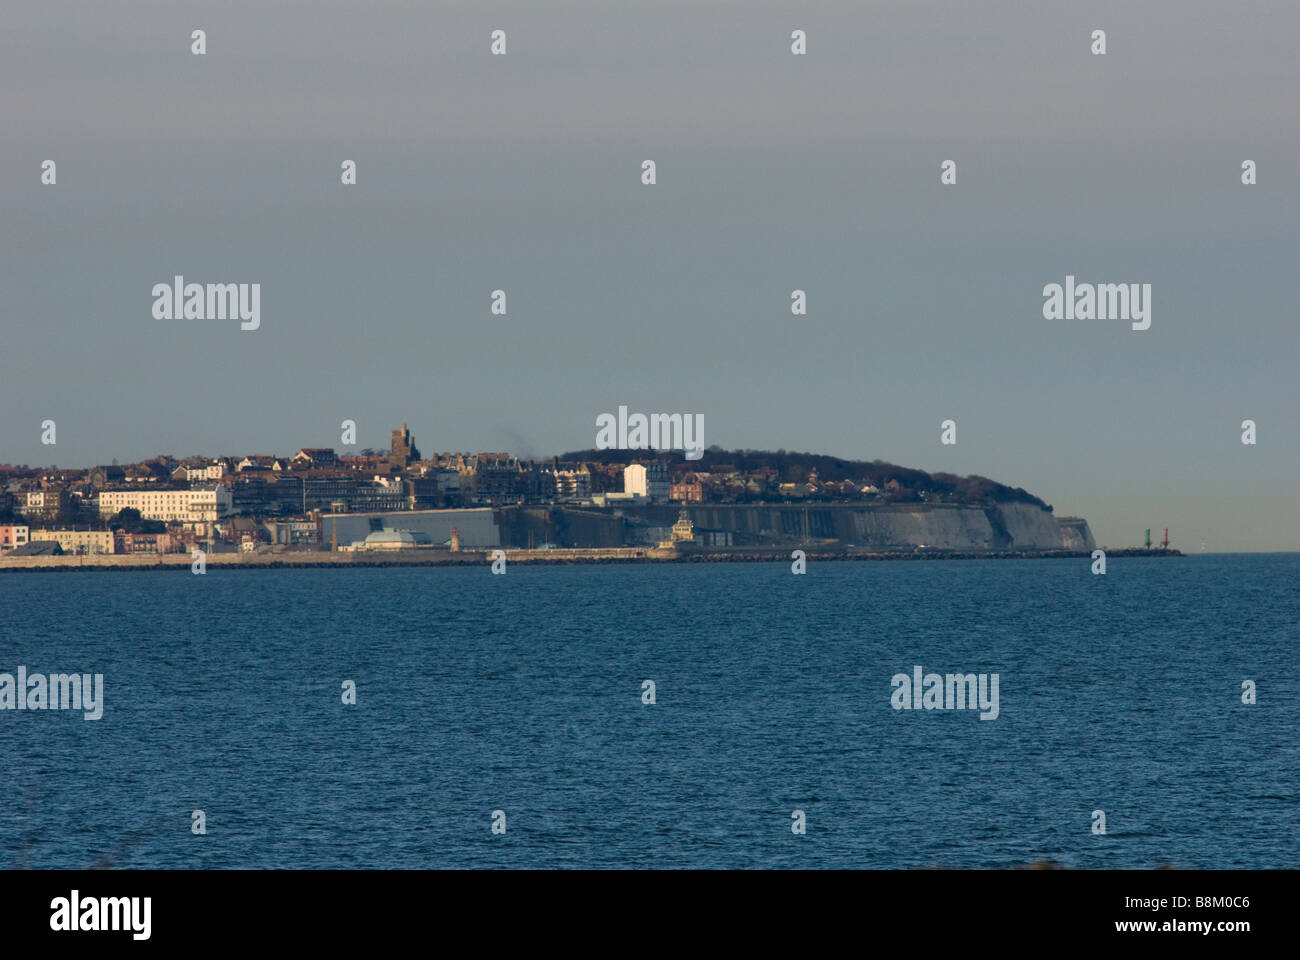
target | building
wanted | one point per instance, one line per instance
(197, 509)
(402, 451)
(259, 462)
(448, 480)
(202, 473)
(683, 534)
(476, 528)
(571, 483)
(293, 532)
(243, 530)
(686, 492)
(80, 542)
(423, 492)
(319, 493)
(13, 535)
(45, 503)
(615, 498)
(384, 495)
(105, 476)
(316, 457)
(390, 539)
(650, 480)
(145, 543)
(499, 478)
(251, 494)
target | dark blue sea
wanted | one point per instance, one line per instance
(523, 693)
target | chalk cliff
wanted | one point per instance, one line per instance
(1008, 526)
(901, 526)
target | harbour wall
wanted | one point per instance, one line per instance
(942, 526)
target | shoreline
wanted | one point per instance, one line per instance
(524, 557)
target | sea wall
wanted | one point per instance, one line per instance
(898, 526)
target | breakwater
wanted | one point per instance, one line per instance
(441, 558)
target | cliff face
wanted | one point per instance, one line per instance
(1009, 526)
(1032, 527)
(1075, 534)
(958, 528)
(936, 526)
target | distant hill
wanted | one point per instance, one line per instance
(792, 467)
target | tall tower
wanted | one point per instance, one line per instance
(1164, 544)
(402, 449)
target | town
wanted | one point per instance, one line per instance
(612, 499)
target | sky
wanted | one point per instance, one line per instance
(775, 172)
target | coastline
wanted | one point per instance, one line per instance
(474, 558)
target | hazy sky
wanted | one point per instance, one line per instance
(775, 172)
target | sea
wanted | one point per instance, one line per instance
(505, 721)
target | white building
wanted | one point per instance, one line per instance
(649, 480)
(196, 509)
(212, 471)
